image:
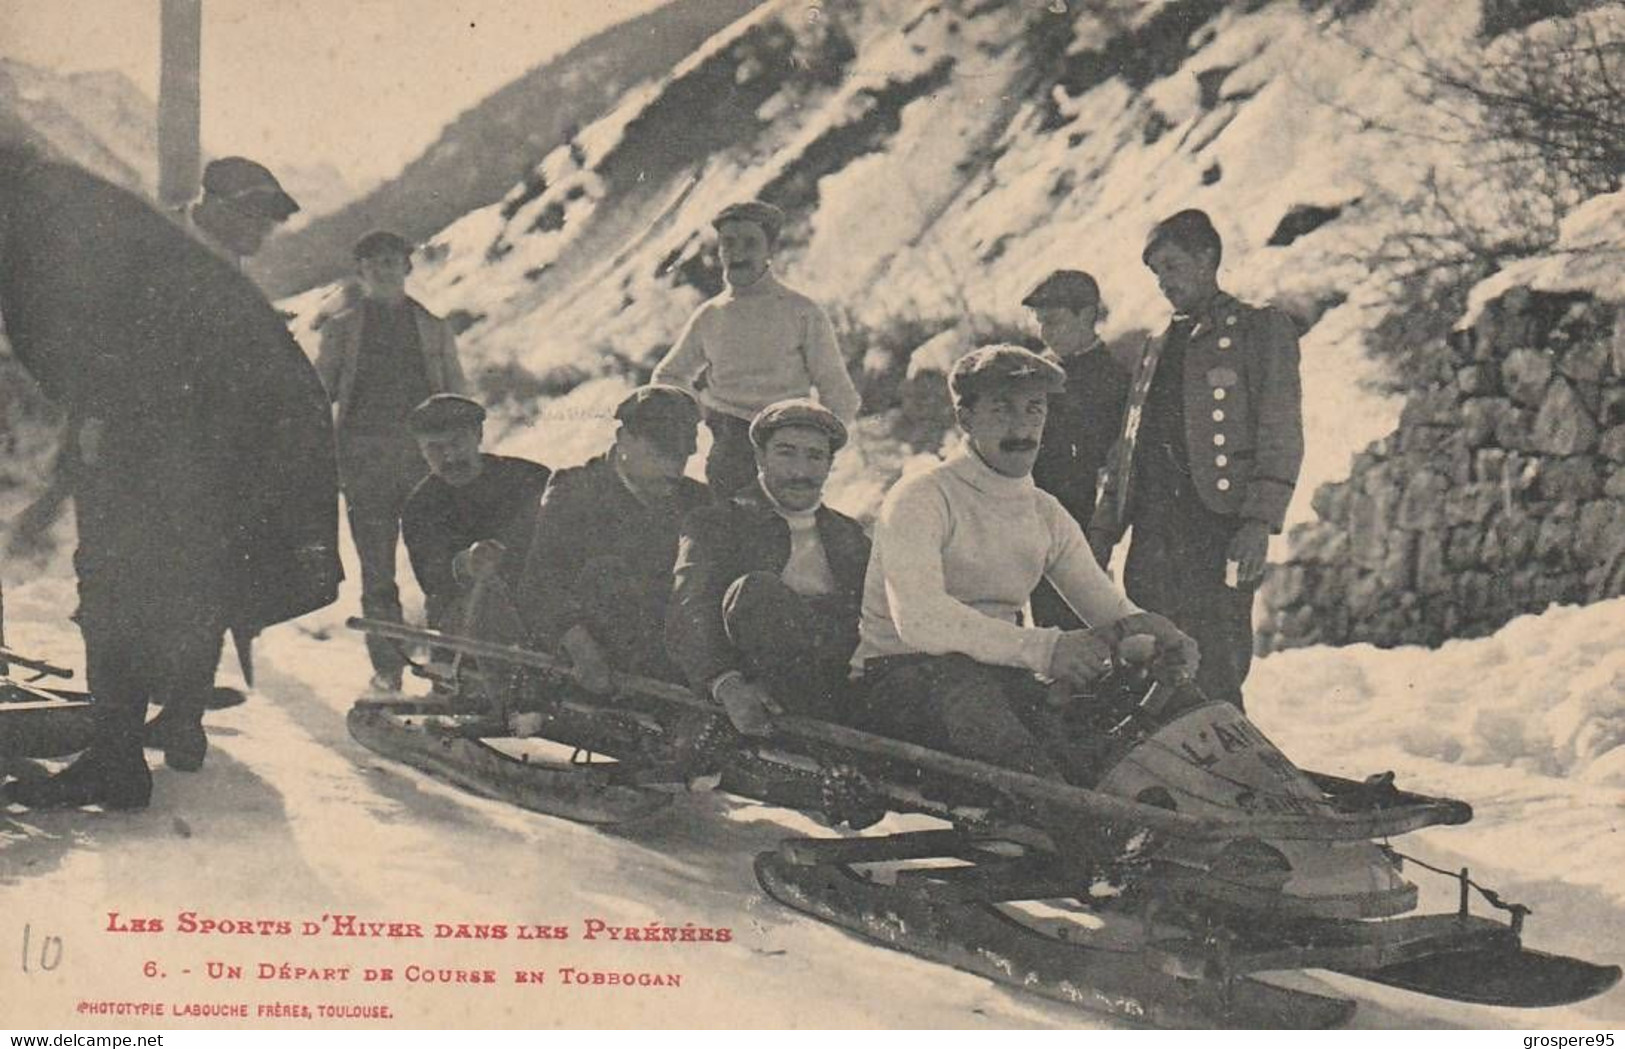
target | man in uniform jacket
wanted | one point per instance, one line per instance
(598, 575)
(764, 610)
(469, 497)
(1083, 418)
(205, 487)
(1209, 455)
(379, 357)
(758, 342)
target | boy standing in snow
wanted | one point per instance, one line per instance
(756, 343)
(379, 358)
(1209, 454)
(1083, 418)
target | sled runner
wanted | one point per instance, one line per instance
(1196, 859)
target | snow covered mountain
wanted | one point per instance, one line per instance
(478, 156)
(936, 158)
(98, 120)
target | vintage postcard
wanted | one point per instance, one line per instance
(812, 514)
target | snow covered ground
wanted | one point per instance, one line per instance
(292, 820)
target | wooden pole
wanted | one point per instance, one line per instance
(179, 108)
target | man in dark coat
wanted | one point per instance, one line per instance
(598, 575)
(1209, 455)
(469, 497)
(1083, 418)
(206, 488)
(764, 610)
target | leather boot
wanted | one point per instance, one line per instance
(178, 732)
(114, 781)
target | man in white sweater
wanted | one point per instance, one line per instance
(757, 343)
(946, 652)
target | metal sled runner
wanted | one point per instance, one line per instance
(1197, 859)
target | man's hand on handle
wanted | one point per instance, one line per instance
(1081, 657)
(750, 707)
(588, 660)
(1173, 653)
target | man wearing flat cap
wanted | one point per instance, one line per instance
(242, 203)
(945, 656)
(764, 612)
(598, 575)
(1084, 418)
(470, 497)
(758, 342)
(1209, 454)
(380, 355)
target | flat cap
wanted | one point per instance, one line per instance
(993, 368)
(381, 242)
(1073, 289)
(1188, 229)
(445, 411)
(765, 215)
(248, 184)
(665, 414)
(798, 411)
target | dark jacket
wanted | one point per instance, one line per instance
(440, 521)
(1084, 420)
(202, 394)
(1243, 418)
(588, 514)
(722, 543)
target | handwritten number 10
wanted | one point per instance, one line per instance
(50, 951)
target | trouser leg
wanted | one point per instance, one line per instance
(379, 473)
(627, 617)
(797, 647)
(955, 704)
(1176, 567)
(731, 463)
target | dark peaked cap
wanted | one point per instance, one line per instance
(1073, 289)
(381, 242)
(1189, 229)
(445, 411)
(666, 414)
(765, 215)
(248, 184)
(798, 411)
(1000, 367)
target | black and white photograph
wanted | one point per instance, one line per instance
(812, 514)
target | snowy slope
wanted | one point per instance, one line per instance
(292, 820)
(937, 158)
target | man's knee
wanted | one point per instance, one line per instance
(762, 615)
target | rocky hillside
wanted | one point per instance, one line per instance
(1502, 491)
(938, 156)
(482, 153)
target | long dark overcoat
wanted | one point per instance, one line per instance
(217, 438)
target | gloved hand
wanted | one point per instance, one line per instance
(1081, 656)
(588, 660)
(750, 707)
(1176, 652)
(479, 562)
